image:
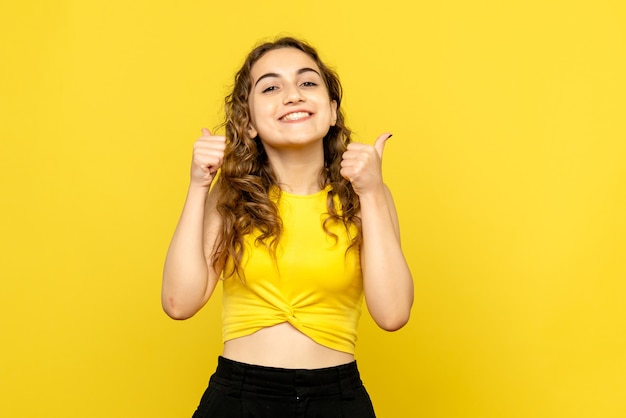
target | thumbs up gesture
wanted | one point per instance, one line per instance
(362, 165)
(208, 155)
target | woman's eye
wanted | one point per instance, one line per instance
(309, 84)
(270, 88)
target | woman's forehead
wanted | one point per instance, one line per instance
(282, 61)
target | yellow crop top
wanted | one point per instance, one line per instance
(313, 284)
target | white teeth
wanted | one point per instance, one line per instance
(295, 116)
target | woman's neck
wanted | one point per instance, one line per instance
(298, 171)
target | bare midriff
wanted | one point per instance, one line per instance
(283, 346)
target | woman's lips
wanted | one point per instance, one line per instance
(293, 116)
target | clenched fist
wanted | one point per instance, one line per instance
(361, 164)
(208, 155)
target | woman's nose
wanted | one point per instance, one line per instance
(293, 95)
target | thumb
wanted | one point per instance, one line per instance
(206, 132)
(379, 145)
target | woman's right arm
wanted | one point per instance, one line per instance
(189, 277)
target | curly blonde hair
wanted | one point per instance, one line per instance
(246, 176)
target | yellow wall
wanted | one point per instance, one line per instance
(508, 164)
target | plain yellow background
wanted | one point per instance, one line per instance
(508, 165)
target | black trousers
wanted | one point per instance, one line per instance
(239, 390)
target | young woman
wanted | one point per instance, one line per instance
(299, 227)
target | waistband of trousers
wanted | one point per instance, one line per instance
(337, 379)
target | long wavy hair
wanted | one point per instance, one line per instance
(247, 181)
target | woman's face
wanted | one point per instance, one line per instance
(289, 102)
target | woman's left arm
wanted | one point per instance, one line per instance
(387, 280)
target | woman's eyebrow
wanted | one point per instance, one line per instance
(306, 70)
(300, 71)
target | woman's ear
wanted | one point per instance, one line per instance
(333, 113)
(252, 132)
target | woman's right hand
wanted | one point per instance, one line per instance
(208, 155)
(189, 277)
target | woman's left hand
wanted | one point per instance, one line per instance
(387, 280)
(362, 165)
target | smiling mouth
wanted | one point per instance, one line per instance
(295, 116)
